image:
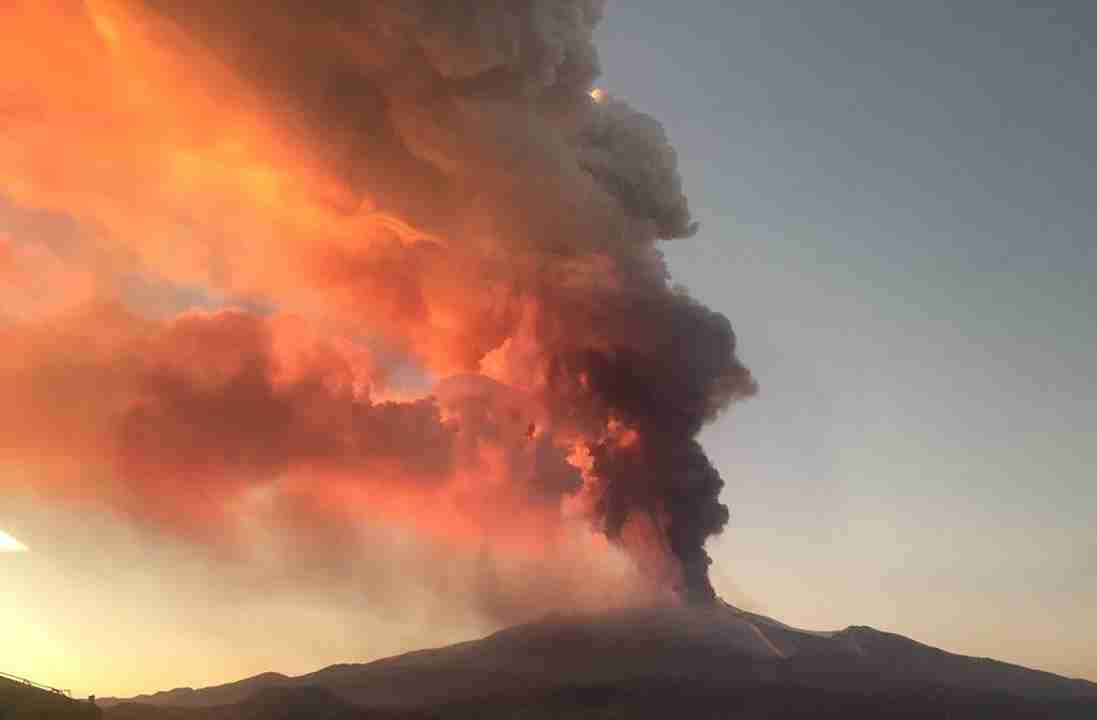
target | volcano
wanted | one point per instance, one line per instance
(707, 661)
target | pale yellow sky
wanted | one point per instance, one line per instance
(100, 609)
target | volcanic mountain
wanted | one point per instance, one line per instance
(713, 661)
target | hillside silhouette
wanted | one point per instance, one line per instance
(691, 662)
(21, 701)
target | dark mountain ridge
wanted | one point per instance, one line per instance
(640, 659)
(226, 694)
(22, 701)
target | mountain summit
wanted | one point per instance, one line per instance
(717, 661)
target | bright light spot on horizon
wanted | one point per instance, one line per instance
(598, 95)
(10, 544)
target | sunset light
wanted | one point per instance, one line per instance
(10, 544)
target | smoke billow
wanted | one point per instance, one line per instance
(430, 182)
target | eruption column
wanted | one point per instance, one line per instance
(437, 181)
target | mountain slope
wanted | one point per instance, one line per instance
(272, 703)
(226, 694)
(713, 655)
(23, 702)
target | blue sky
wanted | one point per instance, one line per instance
(897, 216)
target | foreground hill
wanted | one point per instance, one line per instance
(226, 694)
(708, 662)
(19, 701)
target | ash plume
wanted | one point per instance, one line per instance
(430, 181)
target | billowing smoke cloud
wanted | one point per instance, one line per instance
(432, 181)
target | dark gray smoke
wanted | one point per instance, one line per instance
(513, 228)
(472, 119)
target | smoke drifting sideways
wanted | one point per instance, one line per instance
(401, 178)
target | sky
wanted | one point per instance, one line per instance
(896, 216)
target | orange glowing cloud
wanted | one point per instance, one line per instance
(432, 184)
